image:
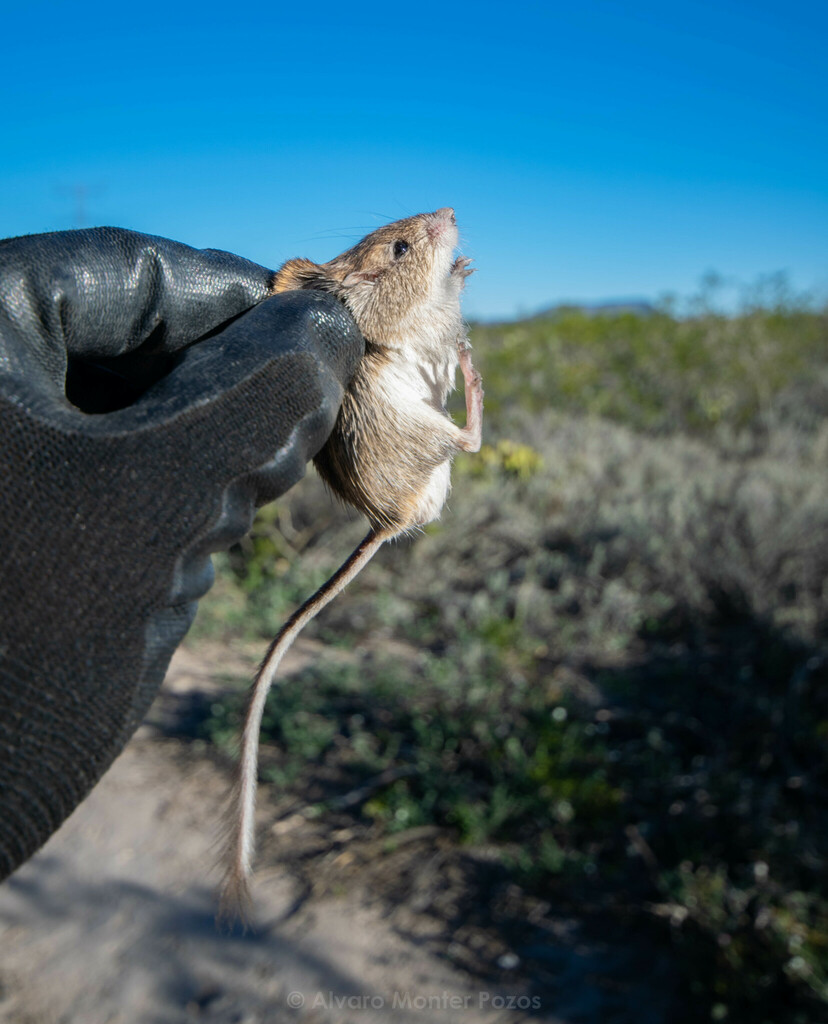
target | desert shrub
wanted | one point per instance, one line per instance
(611, 655)
(608, 632)
(659, 373)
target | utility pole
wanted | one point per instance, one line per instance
(80, 194)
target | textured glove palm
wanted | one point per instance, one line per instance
(110, 503)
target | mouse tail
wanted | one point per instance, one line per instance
(235, 899)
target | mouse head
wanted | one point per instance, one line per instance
(396, 282)
(398, 274)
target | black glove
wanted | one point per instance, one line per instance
(127, 454)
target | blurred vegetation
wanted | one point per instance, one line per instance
(609, 660)
(658, 372)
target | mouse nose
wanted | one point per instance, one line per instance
(440, 224)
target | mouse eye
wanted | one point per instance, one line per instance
(400, 248)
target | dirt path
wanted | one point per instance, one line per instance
(113, 922)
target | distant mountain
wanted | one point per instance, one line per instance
(603, 307)
(606, 307)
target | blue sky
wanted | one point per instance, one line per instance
(591, 150)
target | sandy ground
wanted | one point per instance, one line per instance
(113, 921)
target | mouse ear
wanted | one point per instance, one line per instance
(296, 273)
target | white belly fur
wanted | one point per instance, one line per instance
(409, 391)
(435, 494)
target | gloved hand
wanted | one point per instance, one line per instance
(149, 400)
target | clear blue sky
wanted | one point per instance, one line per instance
(591, 150)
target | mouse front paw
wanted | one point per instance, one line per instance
(460, 269)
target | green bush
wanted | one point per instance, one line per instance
(658, 373)
(610, 657)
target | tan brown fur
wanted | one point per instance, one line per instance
(390, 450)
(396, 285)
(364, 461)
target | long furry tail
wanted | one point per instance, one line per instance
(235, 898)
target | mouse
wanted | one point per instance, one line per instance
(390, 452)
